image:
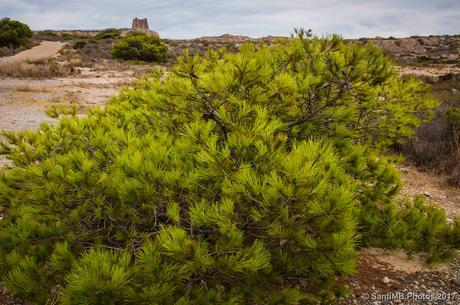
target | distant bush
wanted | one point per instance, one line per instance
(436, 144)
(109, 33)
(140, 46)
(247, 178)
(80, 44)
(48, 33)
(14, 33)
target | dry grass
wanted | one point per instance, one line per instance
(27, 88)
(37, 69)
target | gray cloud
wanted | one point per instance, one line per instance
(194, 18)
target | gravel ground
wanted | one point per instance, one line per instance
(378, 283)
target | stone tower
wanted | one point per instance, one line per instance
(140, 24)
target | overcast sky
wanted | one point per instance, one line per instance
(255, 18)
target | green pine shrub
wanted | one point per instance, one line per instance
(247, 178)
(13, 33)
(140, 46)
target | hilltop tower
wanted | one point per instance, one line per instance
(140, 24)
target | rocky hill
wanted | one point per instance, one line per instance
(411, 50)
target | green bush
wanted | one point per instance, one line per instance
(243, 178)
(453, 119)
(80, 44)
(109, 33)
(48, 33)
(140, 46)
(13, 33)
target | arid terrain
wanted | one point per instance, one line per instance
(91, 80)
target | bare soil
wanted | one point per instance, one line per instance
(434, 187)
(433, 71)
(23, 102)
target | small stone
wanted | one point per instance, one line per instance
(386, 280)
(401, 278)
(434, 284)
(427, 194)
(456, 282)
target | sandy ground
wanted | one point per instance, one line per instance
(433, 187)
(23, 102)
(432, 71)
(45, 49)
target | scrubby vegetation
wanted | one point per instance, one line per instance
(14, 37)
(109, 33)
(140, 46)
(43, 68)
(436, 144)
(247, 178)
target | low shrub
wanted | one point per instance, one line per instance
(109, 34)
(80, 44)
(247, 178)
(140, 46)
(436, 144)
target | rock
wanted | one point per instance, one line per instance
(456, 282)
(427, 194)
(434, 284)
(401, 278)
(386, 280)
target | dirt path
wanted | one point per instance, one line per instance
(45, 49)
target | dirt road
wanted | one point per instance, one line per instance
(45, 49)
